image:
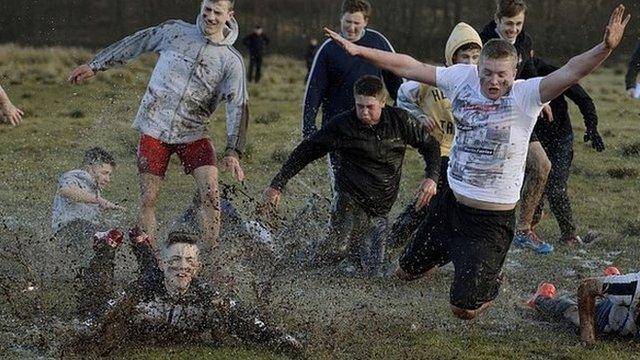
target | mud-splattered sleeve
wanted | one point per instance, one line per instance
(234, 93)
(118, 53)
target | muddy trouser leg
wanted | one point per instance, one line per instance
(331, 248)
(258, 68)
(560, 308)
(245, 323)
(369, 236)
(561, 156)
(98, 282)
(76, 241)
(405, 225)
(252, 64)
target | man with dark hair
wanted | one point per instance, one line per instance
(606, 305)
(508, 24)
(428, 105)
(370, 142)
(471, 224)
(334, 72)
(255, 42)
(168, 303)
(197, 70)
(556, 138)
(8, 110)
(78, 205)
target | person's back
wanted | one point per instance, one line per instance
(66, 210)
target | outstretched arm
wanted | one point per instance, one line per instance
(120, 52)
(582, 65)
(402, 65)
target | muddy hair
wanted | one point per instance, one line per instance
(354, 6)
(369, 85)
(510, 8)
(178, 237)
(499, 49)
(98, 155)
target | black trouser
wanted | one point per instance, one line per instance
(409, 220)
(560, 153)
(353, 234)
(255, 67)
(476, 241)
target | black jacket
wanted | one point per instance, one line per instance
(256, 43)
(524, 45)
(633, 69)
(560, 127)
(369, 158)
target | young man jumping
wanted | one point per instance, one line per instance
(428, 105)
(508, 25)
(370, 142)
(198, 69)
(472, 224)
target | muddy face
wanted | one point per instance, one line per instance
(101, 173)
(496, 76)
(214, 16)
(369, 109)
(180, 265)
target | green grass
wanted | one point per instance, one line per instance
(341, 318)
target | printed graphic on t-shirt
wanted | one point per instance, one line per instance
(483, 139)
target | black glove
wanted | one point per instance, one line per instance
(595, 138)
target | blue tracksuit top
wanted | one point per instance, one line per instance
(333, 74)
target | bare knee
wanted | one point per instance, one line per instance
(149, 199)
(463, 314)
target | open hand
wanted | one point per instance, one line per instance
(272, 197)
(12, 113)
(348, 46)
(615, 28)
(548, 113)
(428, 188)
(428, 122)
(81, 73)
(231, 163)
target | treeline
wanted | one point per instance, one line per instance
(560, 28)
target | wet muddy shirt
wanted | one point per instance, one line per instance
(623, 292)
(66, 210)
(490, 146)
(192, 77)
(369, 157)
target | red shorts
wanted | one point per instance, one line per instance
(154, 155)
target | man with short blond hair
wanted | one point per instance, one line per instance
(472, 225)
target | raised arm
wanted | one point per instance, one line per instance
(402, 65)
(588, 291)
(582, 65)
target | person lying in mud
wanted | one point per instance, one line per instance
(168, 303)
(78, 206)
(369, 143)
(607, 305)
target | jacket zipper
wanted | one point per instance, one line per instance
(173, 117)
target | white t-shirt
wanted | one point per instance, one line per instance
(623, 292)
(490, 146)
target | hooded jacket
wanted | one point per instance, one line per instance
(425, 100)
(192, 77)
(524, 45)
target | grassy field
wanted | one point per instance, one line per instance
(337, 317)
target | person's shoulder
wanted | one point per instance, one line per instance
(76, 174)
(463, 69)
(488, 32)
(397, 113)
(375, 38)
(175, 23)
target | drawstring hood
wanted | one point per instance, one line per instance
(461, 34)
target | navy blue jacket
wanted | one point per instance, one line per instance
(333, 74)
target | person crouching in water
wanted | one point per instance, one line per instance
(78, 206)
(369, 142)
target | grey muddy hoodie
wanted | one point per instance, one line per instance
(192, 77)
